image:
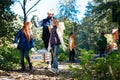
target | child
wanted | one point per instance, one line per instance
(71, 46)
(25, 38)
(55, 41)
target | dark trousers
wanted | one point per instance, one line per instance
(72, 55)
(102, 52)
(46, 43)
(24, 53)
(45, 37)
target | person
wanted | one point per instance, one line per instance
(25, 43)
(45, 23)
(55, 41)
(102, 43)
(71, 46)
(115, 34)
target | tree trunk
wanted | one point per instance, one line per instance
(25, 18)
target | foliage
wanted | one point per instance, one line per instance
(5, 5)
(63, 55)
(68, 9)
(106, 68)
(6, 18)
(98, 18)
(83, 72)
(9, 26)
(37, 32)
(9, 58)
(105, 7)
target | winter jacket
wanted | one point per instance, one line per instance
(23, 43)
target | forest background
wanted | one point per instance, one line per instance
(98, 17)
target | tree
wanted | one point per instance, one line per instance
(6, 19)
(26, 11)
(68, 12)
(109, 6)
(97, 19)
(68, 9)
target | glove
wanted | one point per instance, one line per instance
(15, 45)
(32, 49)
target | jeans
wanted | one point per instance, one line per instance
(26, 54)
(55, 50)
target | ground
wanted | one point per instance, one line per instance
(39, 73)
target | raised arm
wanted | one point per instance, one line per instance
(38, 23)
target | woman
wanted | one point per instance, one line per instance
(71, 46)
(25, 43)
(54, 44)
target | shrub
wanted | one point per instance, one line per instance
(9, 57)
(62, 56)
(106, 68)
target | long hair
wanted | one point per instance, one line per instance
(55, 22)
(27, 30)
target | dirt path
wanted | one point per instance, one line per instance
(39, 73)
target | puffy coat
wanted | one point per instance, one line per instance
(23, 43)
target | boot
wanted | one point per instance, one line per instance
(22, 69)
(30, 66)
(23, 66)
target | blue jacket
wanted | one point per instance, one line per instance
(23, 43)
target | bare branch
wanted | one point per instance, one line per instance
(31, 12)
(20, 4)
(33, 6)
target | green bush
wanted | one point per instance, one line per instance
(9, 58)
(107, 68)
(62, 56)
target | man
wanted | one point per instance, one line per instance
(45, 23)
(102, 43)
